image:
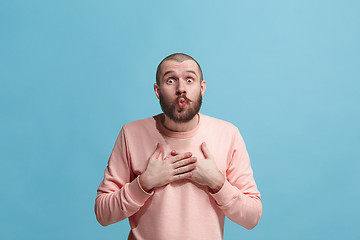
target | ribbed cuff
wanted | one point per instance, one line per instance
(225, 195)
(136, 192)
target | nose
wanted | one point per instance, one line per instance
(181, 88)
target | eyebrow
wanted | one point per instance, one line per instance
(189, 71)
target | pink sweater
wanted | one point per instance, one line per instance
(179, 210)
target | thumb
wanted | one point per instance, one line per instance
(205, 150)
(158, 151)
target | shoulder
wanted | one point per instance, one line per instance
(219, 124)
(223, 131)
(140, 126)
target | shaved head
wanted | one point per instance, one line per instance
(178, 57)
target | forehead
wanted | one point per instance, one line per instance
(179, 67)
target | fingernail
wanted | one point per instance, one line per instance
(193, 158)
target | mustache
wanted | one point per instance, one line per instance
(184, 97)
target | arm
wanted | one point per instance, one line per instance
(239, 197)
(117, 196)
(120, 196)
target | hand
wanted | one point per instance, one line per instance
(206, 172)
(160, 172)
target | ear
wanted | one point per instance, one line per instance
(203, 87)
(157, 89)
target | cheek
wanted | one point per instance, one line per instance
(195, 92)
(167, 91)
(164, 95)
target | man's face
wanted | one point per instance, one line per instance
(180, 91)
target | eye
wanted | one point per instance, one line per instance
(170, 81)
(190, 80)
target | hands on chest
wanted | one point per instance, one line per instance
(163, 170)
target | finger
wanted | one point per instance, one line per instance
(184, 169)
(158, 150)
(180, 156)
(205, 150)
(184, 162)
(174, 153)
(182, 176)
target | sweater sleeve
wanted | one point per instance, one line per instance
(239, 197)
(119, 196)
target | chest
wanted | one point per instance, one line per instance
(140, 156)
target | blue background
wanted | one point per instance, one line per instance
(286, 73)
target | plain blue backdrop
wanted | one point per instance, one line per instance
(286, 73)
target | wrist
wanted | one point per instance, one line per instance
(144, 183)
(217, 184)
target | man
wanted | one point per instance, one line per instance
(178, 174)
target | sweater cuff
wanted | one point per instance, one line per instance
(136, 192)
(225, 195)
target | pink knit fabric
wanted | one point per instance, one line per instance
(182, 209)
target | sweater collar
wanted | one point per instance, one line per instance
(167, 132)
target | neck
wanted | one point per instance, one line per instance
(180, 127)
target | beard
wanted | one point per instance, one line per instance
(181, 115)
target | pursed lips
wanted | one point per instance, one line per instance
(182, 101)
